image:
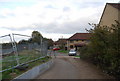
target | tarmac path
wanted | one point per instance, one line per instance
(68, 67)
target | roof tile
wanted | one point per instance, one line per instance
(80, 36)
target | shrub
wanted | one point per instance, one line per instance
(103, 49)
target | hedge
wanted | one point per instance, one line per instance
(104, 48)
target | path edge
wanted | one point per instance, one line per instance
(34, 72)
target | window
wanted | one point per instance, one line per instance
(71, 41)
(76, 40)
(82, 40)
(71, 46)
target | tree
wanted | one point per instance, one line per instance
(49, 42)
(36, 37)
(6, 45)
(23, 42)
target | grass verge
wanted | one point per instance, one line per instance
(63, 51)
(77, 56)
(24, 56)
(10, 74)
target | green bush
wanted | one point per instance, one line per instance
(103, 50)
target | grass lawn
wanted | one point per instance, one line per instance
(63, 51)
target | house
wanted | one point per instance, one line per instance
(78, 40)
(110, 14)
(62, 43)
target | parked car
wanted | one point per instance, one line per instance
(72, 52)
(55, 49)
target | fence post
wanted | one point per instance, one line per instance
(15, 49)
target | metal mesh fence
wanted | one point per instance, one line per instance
(5, 50)
(0, 61)
(17, 50)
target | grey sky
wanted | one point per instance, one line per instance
(52, 18)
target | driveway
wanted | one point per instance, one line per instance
(68, 67)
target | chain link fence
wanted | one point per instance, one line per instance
(5, 49)
(0, 61)
(16, 50)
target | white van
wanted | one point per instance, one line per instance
(72, 52)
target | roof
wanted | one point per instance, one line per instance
(115, 5)
(61, 41)
(80, 36)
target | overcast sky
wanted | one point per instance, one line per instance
(52, 18)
